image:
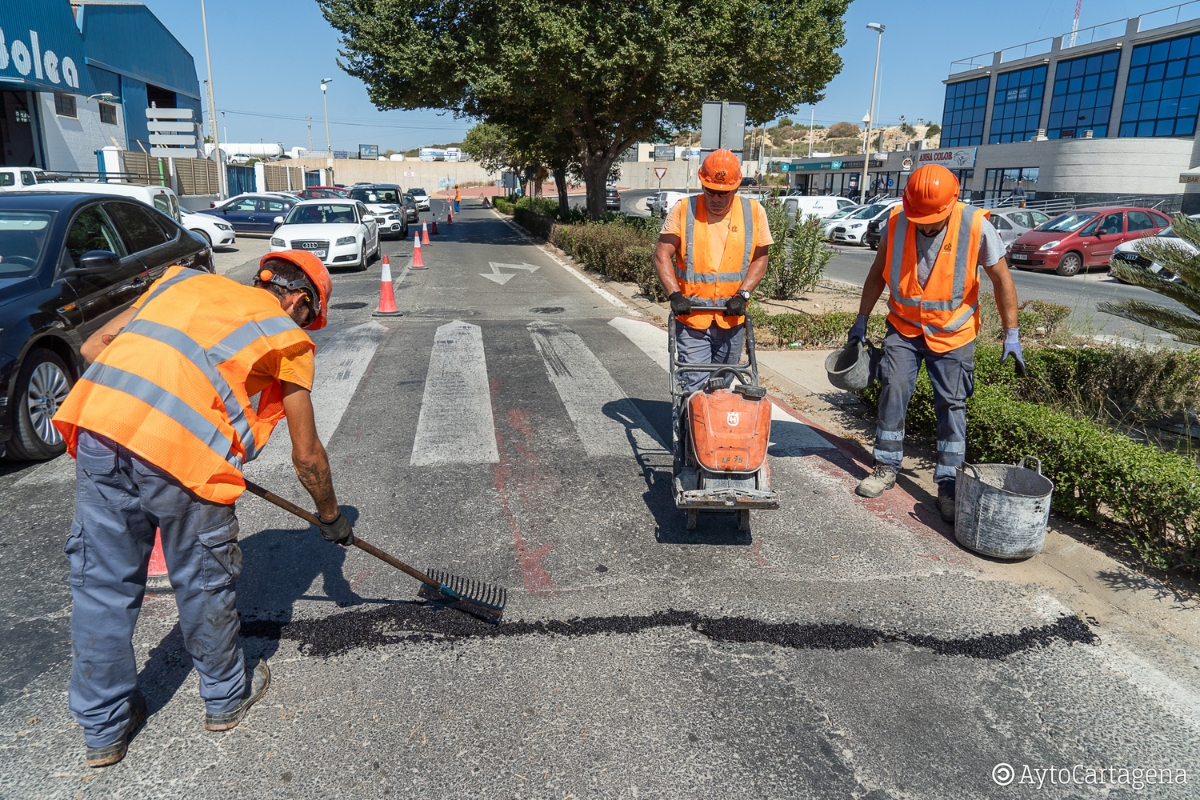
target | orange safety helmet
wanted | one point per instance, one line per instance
(316, 272)
(930, 195)
(721, 171)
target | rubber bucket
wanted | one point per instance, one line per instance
(1001, 510)
(854, 366)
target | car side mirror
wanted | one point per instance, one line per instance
(368, 218)
(94, 262)
(278, 221)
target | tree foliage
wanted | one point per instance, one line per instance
(587, 80)
(1177, 259)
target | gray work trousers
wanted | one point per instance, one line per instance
(953, 377)
(119, 501)
(715, 345)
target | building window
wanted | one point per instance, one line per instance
(965, 176)
(1083, 95)
(108, 114)
(64, 105)
(1163, 93)
(962, 116)
(20, 115)
(1018, 106)
(1000, 184)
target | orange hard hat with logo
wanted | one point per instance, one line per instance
(930, 195)
(312, 267)
(721, 171)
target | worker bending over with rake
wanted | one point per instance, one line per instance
(711, 253)
(160, 426)
(929, 258)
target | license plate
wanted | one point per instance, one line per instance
(318, 253)
(1020, 257)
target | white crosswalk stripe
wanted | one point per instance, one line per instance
(455, 425)
(606, 420)
(789, 436)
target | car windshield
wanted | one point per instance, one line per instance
(320, 213)
(869, 212)
(1068, 223)
(1168, 233)
(376, 195)
(418, 192)
(22, 239)
(845, 212)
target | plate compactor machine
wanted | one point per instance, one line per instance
(719, 437)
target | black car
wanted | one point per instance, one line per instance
(612, 198)
(68, 264)
(410, 207)
(872, 235)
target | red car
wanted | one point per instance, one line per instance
(1083, 238)
(324, 192)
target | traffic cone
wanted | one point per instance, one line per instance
(157, 581)
(418, 261)
(387, 296)
(433, 230)
(450, 215)
(424, 233)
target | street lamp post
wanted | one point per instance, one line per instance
(325, 100)
(212, 111)
(878, 28)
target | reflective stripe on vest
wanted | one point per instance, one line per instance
(689, 273)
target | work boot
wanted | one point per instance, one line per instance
(256, 687)
(878, 482)
(110, 754)
(945, 501)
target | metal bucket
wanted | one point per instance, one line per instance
(1001, 510)
(854, 366)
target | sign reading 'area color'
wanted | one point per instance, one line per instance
(954, 158)
(41, 49)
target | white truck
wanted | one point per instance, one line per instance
(16, 179)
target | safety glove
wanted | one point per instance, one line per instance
(1012, 347)
(679, 304)
(736, 305)
(858, 331)
(337, 530)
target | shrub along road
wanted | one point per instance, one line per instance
(510, 428)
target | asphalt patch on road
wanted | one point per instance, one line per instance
(426, 623)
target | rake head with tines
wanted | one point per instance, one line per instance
(475, 597)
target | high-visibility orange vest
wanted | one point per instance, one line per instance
(946, 310)
(707, 284)
(172, 387)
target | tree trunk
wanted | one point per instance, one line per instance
(595, 175)
(560, 180)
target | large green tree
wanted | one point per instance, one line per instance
(598, 75)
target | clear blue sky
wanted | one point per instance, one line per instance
(270, 55)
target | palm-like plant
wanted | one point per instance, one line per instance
(1184, 262)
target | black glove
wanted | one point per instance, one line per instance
(736, 305)
(337, 530)
(679, 304)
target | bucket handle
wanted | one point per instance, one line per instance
(1021, 463)
(974, 472)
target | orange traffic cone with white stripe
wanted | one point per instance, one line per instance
(387, 295)
(157, 581)
(424, 233)
(449, 215)
(418, 261)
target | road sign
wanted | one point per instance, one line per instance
(169, 113)
(722, 125)
(660, 172)
(172, 132)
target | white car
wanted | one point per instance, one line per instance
(837, 218)
(421, 197)
(386, 204)
(342, 233)
(851, 229)
(209, 228)
(16, 179)
(1131, 253)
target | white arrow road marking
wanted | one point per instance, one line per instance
(789, 436)
(606, 420)
(455, 425)
(501, 278)
(341, 363)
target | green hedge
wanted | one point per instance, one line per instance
(618, 249)
(503, 205)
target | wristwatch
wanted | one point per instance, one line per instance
(744, 294)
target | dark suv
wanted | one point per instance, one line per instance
(68, 264)
(612, 198)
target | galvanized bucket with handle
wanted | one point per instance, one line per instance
(1001, 510)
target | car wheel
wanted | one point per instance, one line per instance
(207, 239)
(1070, 265)
(364, 257)
(873, 246)
(42, 385)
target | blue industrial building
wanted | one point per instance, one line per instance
(78, 76)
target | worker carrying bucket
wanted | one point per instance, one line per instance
(929, 257)
(160, 426)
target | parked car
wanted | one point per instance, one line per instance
(212, 230)
(422, 198)
(749, 182)
(252, 213)
(342, 233)
(1131, 251)
(14, 179)
(322, 192)
(385, 203)
(801, 207)
(612, 198)
(1011, 223)
(71, 262)
(409, 202)
(1083, 238)
(837, 218)
(853, 228)
(159, 197)
(668, 199)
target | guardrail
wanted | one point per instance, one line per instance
(971, 62)
(1171, 204)
(1171, 15)
(1053, 205)
(1095, 33)
(1034, 48)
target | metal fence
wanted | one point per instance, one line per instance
(241, 179)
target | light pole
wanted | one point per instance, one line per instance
(212, 110)
(812, 115)
(225, 127)
(878, 28)
(325, 100)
